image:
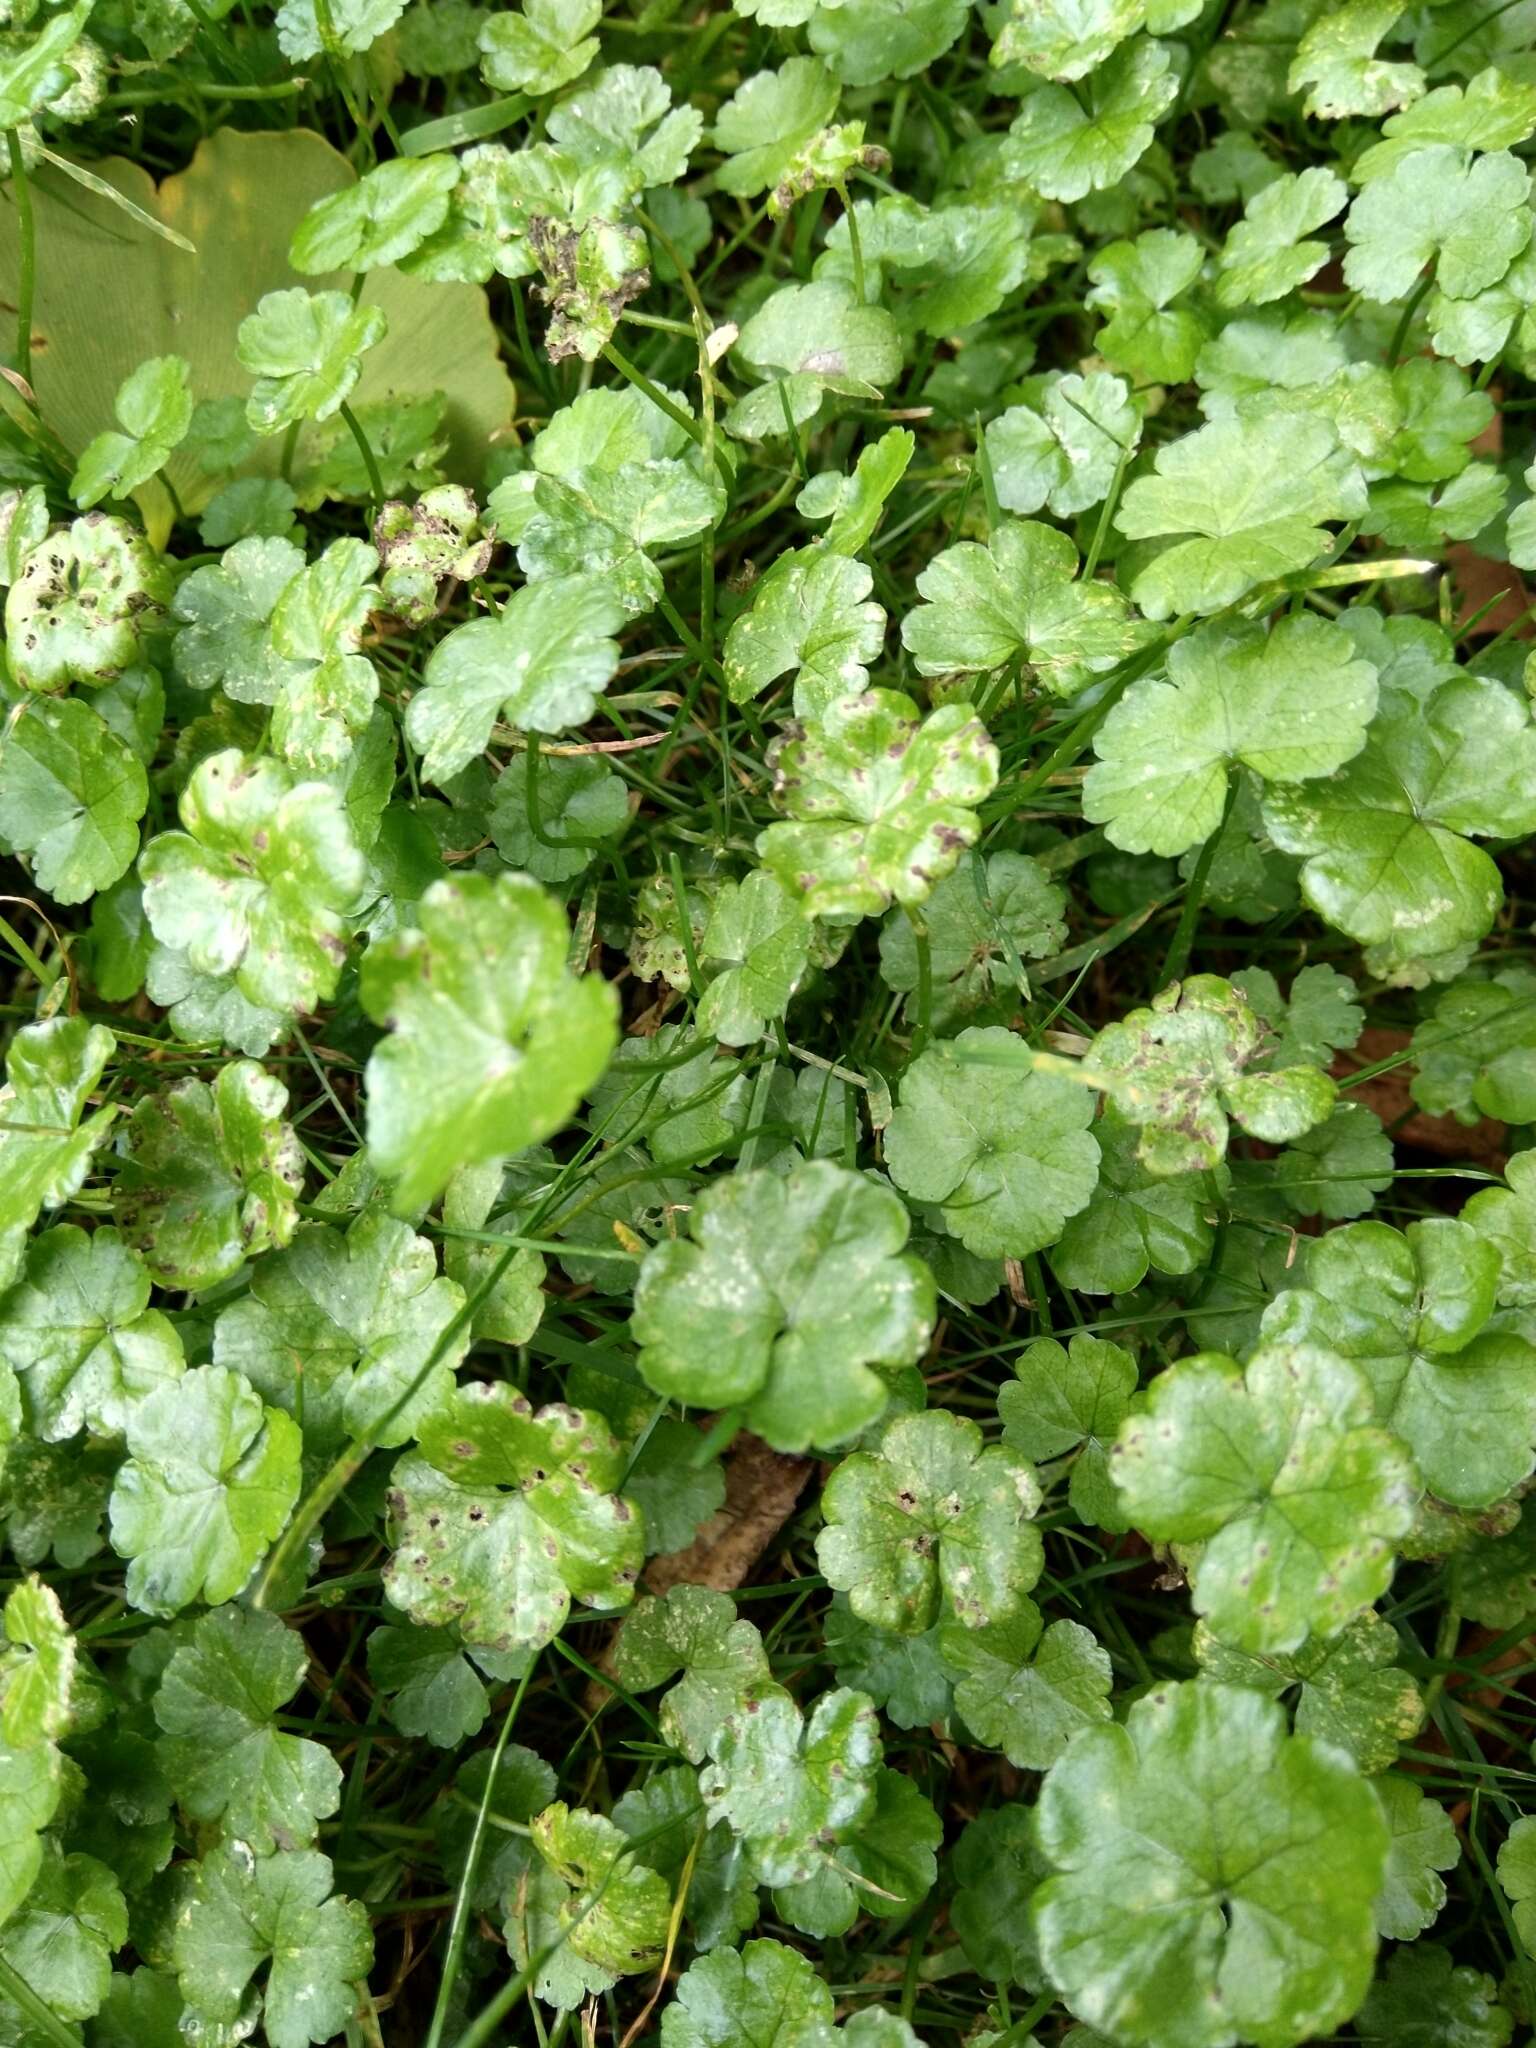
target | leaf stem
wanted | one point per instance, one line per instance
(923, 1029)
(458, 1930)
(1189, 914)
(855, 245)
(26, 234)
(1400, 334)
(41, 2014)
(370, 460)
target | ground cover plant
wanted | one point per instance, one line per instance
(767, 1254)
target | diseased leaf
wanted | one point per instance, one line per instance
(931, 1522)
(206, 1177)
(504, 1514)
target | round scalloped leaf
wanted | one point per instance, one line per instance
(1279, 1474)
(931, 1520)
(1194, 1847)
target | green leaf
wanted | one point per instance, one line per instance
(1067, 145)
(1492, 111)
(1136, 1220)
(72, 794)
(206, 1177)
(1281, 1476)
(766, 123)
(1338, 1168)
(338, 1329)
(1004, 1152)
(1017, 599)
(1065, 39)
(385, 216)
(613, 479)
(1426, 515)
(687, 1109)
(544, 47)
(983, 921)
(1255, 495)
(854, 504)
(225, 609)
(1267, 254)
(951, 265)
(694, 1632)
(931, 1521)
(154, 411)
(258, 884)
(83, 604)
(1423, 1844)
(37, 1667)
(904, 1675)
(1468, 215)
(811, 614)
(1071, 1399)
(877, 39)
(503, 1515)
(1291, 704)
(276, 1912)
(327, 693)
(305, 350)
(792, 1787)
(211, 1478)
(492, 1042)
(1336, 58)
(754, 951)
(217, 1706)
(1413, 1309)
(579, 801)
(433, 1689)
(1181, 1069)
(1214, 1876)
(1474, 1053)
(1516, 1871)
(1349, 1690)
(45, 1148)
(789, 1288)
(1386, 841)
(1136, 284)
(1422, 2000)
(62, 1941)
(1061, 450)
(542, 664)
(882, 802)
(81, 1334)
(763, 1996)
(820, 340)
(997, 1869)
(1506, 1219)
(510, 1312)
(31, 1781)
(1025, 1692)
(886, 1868)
